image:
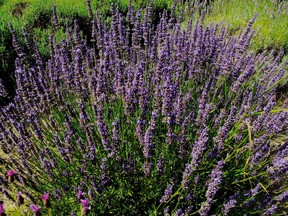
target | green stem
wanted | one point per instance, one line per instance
(249, 178)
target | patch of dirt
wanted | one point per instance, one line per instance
(18, 9)
(43, 21)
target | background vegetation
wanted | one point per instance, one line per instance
(271, 30)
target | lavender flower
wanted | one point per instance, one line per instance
(160, 166)
(213, 185)
(279, 163)
(196, 153)
(271, 210)
(223, 131)
(148, 146)
(167, 193)
(57, 194)
(188, 210)
(228, 206)
(282, 197)
(166, 210)
(116, 137)
(179, 212)
(147, 168)
(88, 2)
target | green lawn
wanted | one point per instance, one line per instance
(271, 25)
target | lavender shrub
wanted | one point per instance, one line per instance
(149, 119)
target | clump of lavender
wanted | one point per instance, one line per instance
(109, 123)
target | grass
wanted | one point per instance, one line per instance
(24, 12)
(270, 26)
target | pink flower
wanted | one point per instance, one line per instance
(35, 208)
(85, 206)
(45, 196)
(85, 203)
(10, 173)
(2, 210)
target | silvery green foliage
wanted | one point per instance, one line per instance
(142, 105)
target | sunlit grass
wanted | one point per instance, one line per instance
(270, 26)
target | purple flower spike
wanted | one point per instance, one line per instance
(35, 209)
(167, 193)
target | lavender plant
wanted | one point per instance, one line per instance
(149, 120)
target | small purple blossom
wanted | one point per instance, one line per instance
(85, 203)
(35, 209)
(271, 211)
(147, 168)
(283, 197)
(10, 173)
(45, 197)
(85, 206)
(179, 212)
(228, 206)
(80, 195)
(160, 165)
(2, 210)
